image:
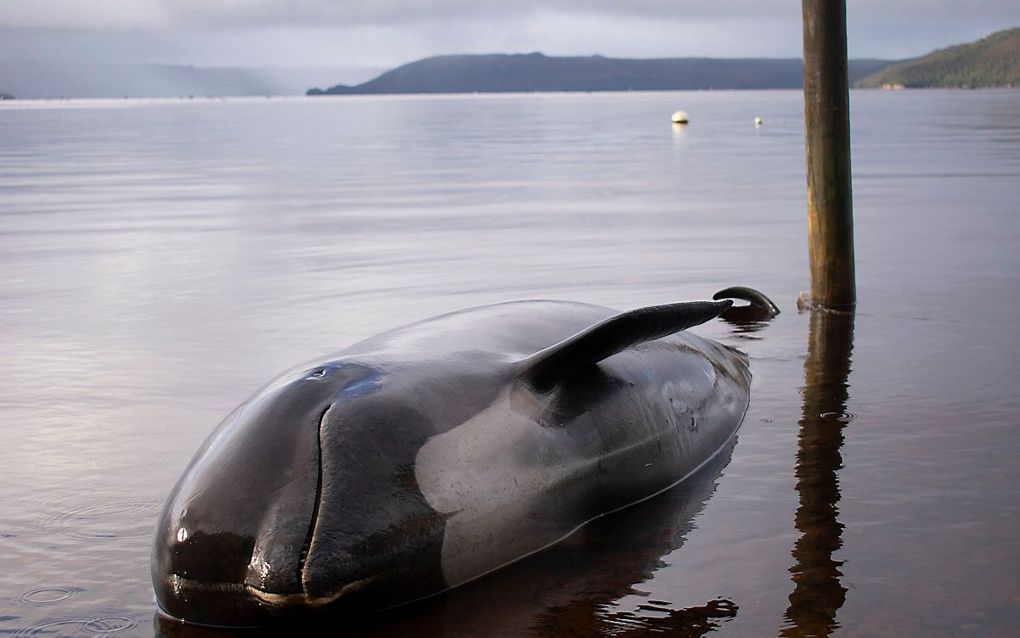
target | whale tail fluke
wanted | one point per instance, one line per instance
(546, 368)
(761, 308)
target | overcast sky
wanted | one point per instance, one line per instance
(385, 33)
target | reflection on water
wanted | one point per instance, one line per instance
(818, 593)
(160, 260)
(628, 551)
(654, 618)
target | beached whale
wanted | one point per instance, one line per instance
(432, 454)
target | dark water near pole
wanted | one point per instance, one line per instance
(160, 260)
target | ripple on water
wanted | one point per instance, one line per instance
(96, 626)
(105, 625)
(43, 596)
(51, 628)
(113, 517)
(660, 616)
(841, 417)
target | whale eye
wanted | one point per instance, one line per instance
(317, 373)
(182, 535)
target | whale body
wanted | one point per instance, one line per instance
(432, 454)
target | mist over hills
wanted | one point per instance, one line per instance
(59, 79)
(495, 73)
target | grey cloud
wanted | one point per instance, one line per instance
(74, 14)
(388, 32)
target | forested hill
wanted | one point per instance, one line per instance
(537, 72)
(991, 61)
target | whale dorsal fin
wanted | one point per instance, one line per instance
(547, 367)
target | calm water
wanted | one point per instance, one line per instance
(159, 261)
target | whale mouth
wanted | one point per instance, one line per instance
(222, 605)
(243, 606)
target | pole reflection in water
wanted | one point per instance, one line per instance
(568, 590)
(818, 593)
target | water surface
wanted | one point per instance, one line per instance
(160, 260)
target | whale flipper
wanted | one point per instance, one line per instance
(761, 309)
(547, 367)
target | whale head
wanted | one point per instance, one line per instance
(303, 498)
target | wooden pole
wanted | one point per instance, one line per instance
(827, 142)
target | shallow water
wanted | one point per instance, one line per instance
(160, 260)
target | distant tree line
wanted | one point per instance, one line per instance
(990, 62)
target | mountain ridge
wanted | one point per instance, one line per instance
(537, 72)
(992, 61)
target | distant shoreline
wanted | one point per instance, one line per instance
(98, 102)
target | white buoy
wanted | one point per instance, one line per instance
(757, 121)
(679, 117)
